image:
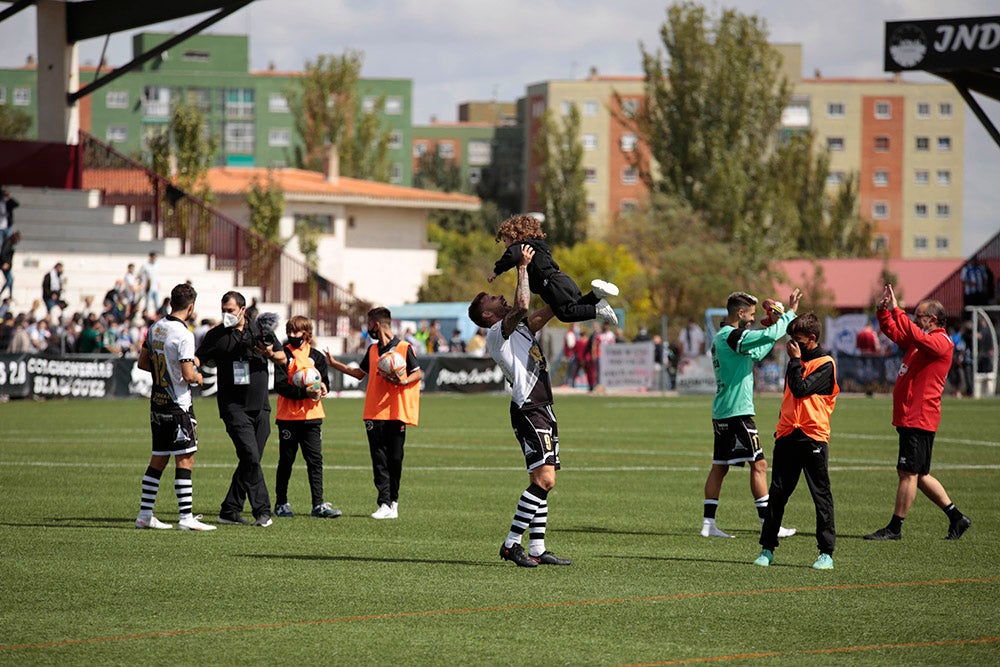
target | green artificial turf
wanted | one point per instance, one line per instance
(81, 586)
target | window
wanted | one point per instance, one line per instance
(923, 143)
(796, 114)
(279, 136)
(944, 177)
(590, 107)
(480, 152)
(923, 110)
(835, 143)
(921, 177)
(835, 178)
(239, 138)
(942, 243)
(22, 97)
(368, 103)
(881, 177)
(394, 105)
(920, 243)
(396, 174)
(475, 175)
(835, 110)
(591, 208)
(196, 56)
(944, 109)
(589, 142)
(630, 176)
(156, 101)
(883, 110)
(201, 98)
(419, 148)
(880, 210)
(630, 108)
(628, 205)
(590, 175)
(880, 243)
(943, 211)
(395, 139)
(944, 144)
(446, 149)
(628, 142)
(537, 108)
(239, 103)
(881, 144)
(277, 103)
(920, 210)
(322, 223)
(117, 134)
(116, 99)
(566, 107)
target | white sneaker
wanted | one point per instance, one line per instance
(394, 506)
(709, 529)
(193, 523)
(606, 313)
(782, 531)
(385, 512)
(152, 522)
(603, 289)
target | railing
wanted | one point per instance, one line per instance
(253, 260)
(950, 291)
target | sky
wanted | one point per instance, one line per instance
(462, 50)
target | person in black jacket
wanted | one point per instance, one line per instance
(544, 277)
(7, 262)
(300, 417)
(241, 350)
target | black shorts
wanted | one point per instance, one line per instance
(173, 433)
(536, 430)
(736, 441)
(915, 448)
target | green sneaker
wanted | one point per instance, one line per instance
(824, 562)
(765, 558)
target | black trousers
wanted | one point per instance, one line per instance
(249, 432)
(385, 442)
(568, 303)
(795, 454)
(291, 436)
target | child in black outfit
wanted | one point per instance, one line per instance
(546, 280)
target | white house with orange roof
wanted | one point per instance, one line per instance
(373, 236)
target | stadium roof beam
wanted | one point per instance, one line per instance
(15, 8)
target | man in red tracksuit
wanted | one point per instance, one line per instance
(916, 407)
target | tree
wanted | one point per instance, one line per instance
(464, 260)
(710, 117)
(434, 172)
(266, 202)
(14, 123)
(327, 109)
(559, 156)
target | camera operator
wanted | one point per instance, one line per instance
(241, 350)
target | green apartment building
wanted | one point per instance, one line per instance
(247, 110)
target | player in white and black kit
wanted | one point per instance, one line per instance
(512, 344)
(168, 353)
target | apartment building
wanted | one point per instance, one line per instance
(903, 139)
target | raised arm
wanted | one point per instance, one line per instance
(522, 295)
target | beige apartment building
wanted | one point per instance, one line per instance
(903, 139)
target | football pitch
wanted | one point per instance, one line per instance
(81, 586)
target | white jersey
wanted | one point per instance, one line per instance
(169, 342)
(523, 365)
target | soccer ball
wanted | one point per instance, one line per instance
(308, 378)
(393, 364)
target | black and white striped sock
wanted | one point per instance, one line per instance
(184, 490)
(536, 530)
(150, 486)
(527, 506)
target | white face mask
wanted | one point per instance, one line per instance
(229, 320)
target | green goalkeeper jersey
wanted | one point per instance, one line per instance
(734, 352)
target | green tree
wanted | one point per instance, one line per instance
(14, 123)
(327, 109)
(558, 153)
(464, 261)
(713, 104)
(266, 202)
(434, 172)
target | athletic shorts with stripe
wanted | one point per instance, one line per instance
(736, 441)
(173, 433)
(536, 431)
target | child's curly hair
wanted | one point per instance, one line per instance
(520, 228)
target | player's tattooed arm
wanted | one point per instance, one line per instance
(522, 297)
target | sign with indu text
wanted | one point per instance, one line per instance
(943, 44)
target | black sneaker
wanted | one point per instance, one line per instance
(885, 534)
(956, 528)
(263, 521)
(516, 555)
(234, 518)
(549, 558)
